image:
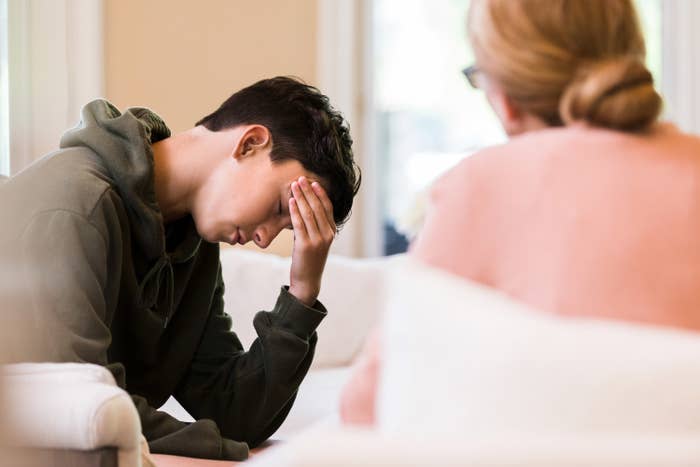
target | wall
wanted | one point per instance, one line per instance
(183, 58)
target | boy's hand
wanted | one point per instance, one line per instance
(314, 231)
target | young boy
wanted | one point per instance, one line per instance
(112, 245)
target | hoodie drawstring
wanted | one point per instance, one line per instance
(149, 290)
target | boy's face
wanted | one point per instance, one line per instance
(247, 199)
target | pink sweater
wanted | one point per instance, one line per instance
(577, 221)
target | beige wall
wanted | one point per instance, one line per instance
(183, 58)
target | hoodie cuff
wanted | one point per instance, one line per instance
(233, 450)
(292, 315)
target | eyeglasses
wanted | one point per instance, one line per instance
(471, 73)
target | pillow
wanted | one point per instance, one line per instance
(462, 358)
(351, 291)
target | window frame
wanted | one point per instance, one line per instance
(343, 74)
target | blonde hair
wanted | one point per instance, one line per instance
(567, 60)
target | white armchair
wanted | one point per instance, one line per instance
(69, 414)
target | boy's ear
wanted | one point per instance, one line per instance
(254, 138)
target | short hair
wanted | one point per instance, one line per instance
(304, 127)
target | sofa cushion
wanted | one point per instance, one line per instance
(351, 291)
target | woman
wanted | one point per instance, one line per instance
(592, 208)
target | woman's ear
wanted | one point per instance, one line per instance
(508, 112)
(514, 120)
(254, 139)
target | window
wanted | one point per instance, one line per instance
(650, 15)
(426, 117)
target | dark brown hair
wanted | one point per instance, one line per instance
(304, 127)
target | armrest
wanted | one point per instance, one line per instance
(70, 406)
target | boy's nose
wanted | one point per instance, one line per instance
(261, 239)
(264, 235)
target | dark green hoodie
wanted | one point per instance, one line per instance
(91, 274)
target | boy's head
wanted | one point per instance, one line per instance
(302, 127)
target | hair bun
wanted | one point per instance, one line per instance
(616, 93)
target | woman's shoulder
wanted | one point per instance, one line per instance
(550, 140)
(582, 141)
(530, 154)
(519, 151)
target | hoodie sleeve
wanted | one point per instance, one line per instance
(64, 270)
(249, 394)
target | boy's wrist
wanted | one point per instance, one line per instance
(304, 294)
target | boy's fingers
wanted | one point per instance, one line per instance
(325, 202)
(305, 210)
(319, 210)
(310, 196)
(297, 221)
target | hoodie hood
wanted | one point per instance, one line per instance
(122, 142)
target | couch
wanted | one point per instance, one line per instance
(470, 377)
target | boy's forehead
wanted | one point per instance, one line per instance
(293, 169)
(311, 178)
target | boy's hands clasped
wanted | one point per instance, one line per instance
(314, 230)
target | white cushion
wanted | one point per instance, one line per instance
(460, 358)
(351, 291)
(317, 401)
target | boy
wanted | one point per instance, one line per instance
(112, 244)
